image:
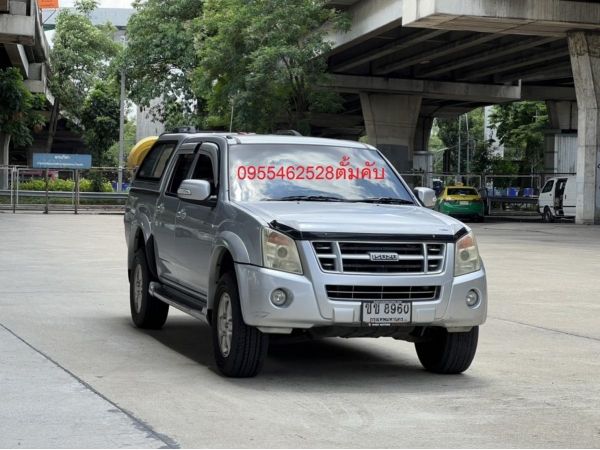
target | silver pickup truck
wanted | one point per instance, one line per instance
(262, 235)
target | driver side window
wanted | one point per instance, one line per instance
(182, 168)
(203, 170)
(548, 187)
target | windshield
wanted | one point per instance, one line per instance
(462, 191)
(270, 172)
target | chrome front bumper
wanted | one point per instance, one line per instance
(311, 307)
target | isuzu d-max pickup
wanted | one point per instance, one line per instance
(264, 235)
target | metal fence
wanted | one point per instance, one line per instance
(414, 179)
(27, 189)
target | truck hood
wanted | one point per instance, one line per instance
(323, 218)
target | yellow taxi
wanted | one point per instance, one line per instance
(461, 202)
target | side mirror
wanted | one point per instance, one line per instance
(194, 190)
(426, 196)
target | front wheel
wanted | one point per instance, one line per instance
(240, 350)
(547, 217)
(448, 353)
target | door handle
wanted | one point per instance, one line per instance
(160, 208)
(181, 214)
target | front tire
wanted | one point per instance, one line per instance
(146, 311)
(448, 353)
(547, 217)
(240, 350)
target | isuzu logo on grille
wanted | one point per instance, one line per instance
(381, 256)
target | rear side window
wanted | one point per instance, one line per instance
(548, 187)
(156, 160)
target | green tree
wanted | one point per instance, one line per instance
(520, 128)
(18, 108)
(100, 116)
(130, 140)
(160, 59)
(264, 59)
(469, 134)
(17, 115)
(80, 56)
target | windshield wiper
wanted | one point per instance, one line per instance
(308, 198)
(385, 200)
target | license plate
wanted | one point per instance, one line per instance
(385, 314)
(463, 203)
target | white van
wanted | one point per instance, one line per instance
(558, 199)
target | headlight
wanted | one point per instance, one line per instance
(280, 252)
(466, 258)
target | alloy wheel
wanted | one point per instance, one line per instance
(225, 324)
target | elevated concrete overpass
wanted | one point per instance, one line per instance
(23, 45)
(118, 17)
(405, 62)
(22, 42)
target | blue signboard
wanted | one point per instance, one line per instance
(59, 161)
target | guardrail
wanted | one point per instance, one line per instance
(13, 198)
(66, 194)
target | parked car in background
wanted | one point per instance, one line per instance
(461, 201)
(558, 199)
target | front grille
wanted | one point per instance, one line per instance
(356, 257)
(343, 292)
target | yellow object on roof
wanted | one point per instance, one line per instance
(139, 151)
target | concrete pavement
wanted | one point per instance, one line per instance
(63, 290)
(43, 405)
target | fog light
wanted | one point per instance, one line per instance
(472, 299)
(279, 297)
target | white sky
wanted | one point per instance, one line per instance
(103, 3)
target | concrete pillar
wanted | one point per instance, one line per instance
(391, 122)
(585, 59)
(4, 162)
(422, 157)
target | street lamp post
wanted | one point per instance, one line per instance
(121, 132)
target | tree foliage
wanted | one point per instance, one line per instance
(520, 128)
(112, 154)
(264, 58)
(100, 116)
(18, 107)
(469, 135)
(160, 58)
(80, 56)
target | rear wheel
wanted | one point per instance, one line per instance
(547, 217)
(448, 353)
(146, 311)
(240, 350)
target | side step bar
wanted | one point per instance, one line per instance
(179, 300)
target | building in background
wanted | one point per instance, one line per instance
(496, 147)
(23, 45)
